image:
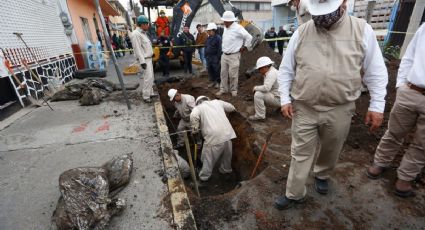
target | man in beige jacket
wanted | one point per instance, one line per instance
(268, 93)
(143, 51)
(184, 104)
(319, 80)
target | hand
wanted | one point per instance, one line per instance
(287, 110)
(143, 66)
(374, 120)
(242, 49)
(181, 52)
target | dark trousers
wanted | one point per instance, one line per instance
(280, 47)
(272, 45)
(214, 68)
(164, 62)
(187, 62)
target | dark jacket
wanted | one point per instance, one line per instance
(281, 34)
(186, 39)
(165, 42)
(213, 46)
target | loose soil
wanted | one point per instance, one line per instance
(354, 201)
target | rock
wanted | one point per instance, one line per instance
(119, 171)
(91, 96)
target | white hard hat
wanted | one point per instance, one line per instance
(211, 26)
(322, 7)
(200, 98)
(172, 93)
(229, 16)
(263, 61)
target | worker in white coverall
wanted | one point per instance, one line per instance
(184, 104)
(268, 93)
(235, 41)
(210, 117)
(142, 46)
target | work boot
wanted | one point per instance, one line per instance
(256, 118)
(374, 172)
(217, 85)
(403, 188)
(211, 85)
(234, 94)
(284, 202)
(321, 186)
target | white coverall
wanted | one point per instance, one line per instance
(143, 51)
(183, 110)
(268, 93)
(210, 117)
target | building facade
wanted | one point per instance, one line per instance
(49, 52)
(259, 12)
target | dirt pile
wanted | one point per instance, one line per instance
(249, 59)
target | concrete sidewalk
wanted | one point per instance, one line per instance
(36, 148)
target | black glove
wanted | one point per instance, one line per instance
(143, 66)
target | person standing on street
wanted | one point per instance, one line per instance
(210, 118)
(164, 44)
(187, 40)
(282, 34)
(268, 93)
(143, 52)
(213, 54)
(407, 116)
(319, 81)
(271, 34)
(201, 39)
(129, 44)
(235, 41)
(184, 104)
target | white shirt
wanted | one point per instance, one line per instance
(211, 118)
(234, 38)
(412, 66)
(142, 45)
(375, 71)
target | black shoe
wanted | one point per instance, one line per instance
(284, 202)
(321, 186)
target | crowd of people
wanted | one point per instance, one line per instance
(315, 86)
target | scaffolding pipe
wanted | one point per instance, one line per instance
(114, 59)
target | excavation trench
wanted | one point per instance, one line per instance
(245, 150)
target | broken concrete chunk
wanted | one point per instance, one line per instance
(91, 96)
(119, 171)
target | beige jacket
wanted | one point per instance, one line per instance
(270, 83)
(184, 107)
(210, 117)
(142, 45)
(329, 63)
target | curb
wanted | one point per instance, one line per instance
(182, 211)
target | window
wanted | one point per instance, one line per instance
(86, 29)
(257, 6)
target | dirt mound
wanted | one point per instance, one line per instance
(249, 59)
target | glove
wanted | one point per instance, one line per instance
(143, 66)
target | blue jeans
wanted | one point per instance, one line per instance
(201, 52)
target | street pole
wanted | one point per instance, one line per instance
(111, 51)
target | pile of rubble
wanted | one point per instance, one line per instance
(88, 194)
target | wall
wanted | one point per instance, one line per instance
(282, 15)
(42, 30)
(86, 9)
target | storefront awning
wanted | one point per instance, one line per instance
(107, 9)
